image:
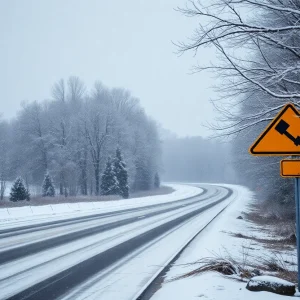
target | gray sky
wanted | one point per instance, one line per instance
(121, 43)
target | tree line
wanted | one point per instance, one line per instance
(76, 136)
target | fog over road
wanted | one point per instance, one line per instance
(105, 256)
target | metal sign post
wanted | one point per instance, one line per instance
(297, 198)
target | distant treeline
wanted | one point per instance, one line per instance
(196, 159)
(73, 135)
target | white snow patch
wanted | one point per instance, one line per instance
(19, 216)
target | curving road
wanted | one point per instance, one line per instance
(105, 256)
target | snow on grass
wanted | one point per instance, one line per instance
(218, 240)
(28, 214)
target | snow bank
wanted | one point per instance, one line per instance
(66, 210)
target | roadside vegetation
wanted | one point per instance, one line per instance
(243, 270)
(259, 247)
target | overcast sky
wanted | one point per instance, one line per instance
(121, 43)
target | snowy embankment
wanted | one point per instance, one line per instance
(219, 240)
(70, 210)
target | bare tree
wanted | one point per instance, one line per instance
(76, 88)
(259, 53)
(32, 128)
(97, 128)
(58, 91)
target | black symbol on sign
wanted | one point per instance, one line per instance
(282, 128)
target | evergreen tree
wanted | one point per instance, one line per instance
(109, 182)
(19, 191)
(48, 186)
(156, 181)
(121, 174)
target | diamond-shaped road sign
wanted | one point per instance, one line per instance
(282, 136)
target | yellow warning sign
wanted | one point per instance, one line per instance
(290, 168)
(282, 136)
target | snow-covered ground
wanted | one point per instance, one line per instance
(217, 239)
(18, 216)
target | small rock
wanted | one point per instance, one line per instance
(271, 284)
(240, 218)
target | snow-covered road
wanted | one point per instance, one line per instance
(109, 255)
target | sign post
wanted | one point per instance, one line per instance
(297, 198)
(282, 137)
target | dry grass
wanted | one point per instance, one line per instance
(277, 220)
(276, 263)
(38, 200)
(272, 243)
(220, 265)
(244, 269)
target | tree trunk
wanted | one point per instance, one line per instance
(83, 182)
(2, 188)
(62, 183)
(97, 180)
(83, 175)
(91, 187)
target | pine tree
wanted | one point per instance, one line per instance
(156, 181)
(109, 182)
(121, 174)
(19, 191)
(48, 187)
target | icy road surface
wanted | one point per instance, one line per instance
(109, 255)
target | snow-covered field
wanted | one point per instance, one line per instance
(216, 239)
(17, 216)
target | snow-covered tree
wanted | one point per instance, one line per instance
(109, 181)
(121, 174)
(97, 123)
(19, 191)
(156, 181)
(48, 186)
(258, 54)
